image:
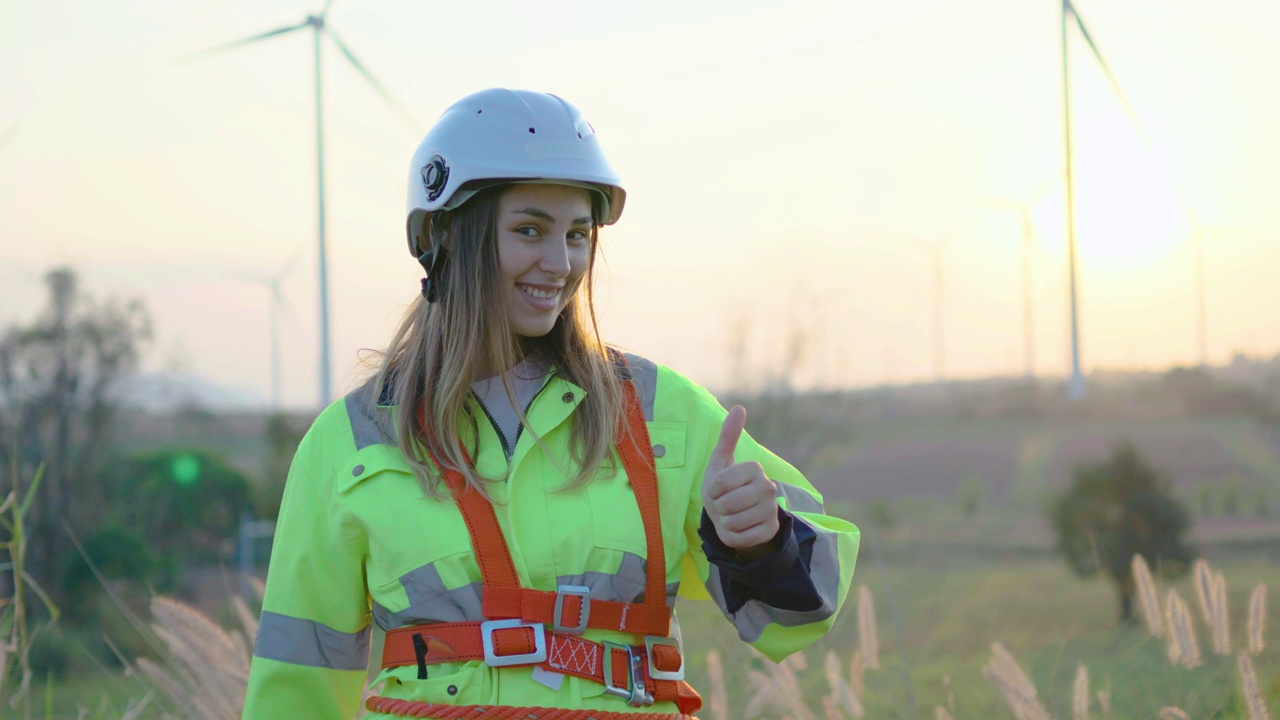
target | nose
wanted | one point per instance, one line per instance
(555, 257)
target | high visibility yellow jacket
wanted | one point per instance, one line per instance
(358, 543)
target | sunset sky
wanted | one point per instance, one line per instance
(791, 167)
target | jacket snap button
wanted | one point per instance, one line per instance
(453, 689)
(357, 470)
(567, 397)
(659, 451)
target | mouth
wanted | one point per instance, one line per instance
(542, 297)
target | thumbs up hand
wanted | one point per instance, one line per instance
(738, 498)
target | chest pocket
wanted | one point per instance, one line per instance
(418, 546)
(614, 513)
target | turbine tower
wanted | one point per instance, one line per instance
(1075, 386)
(319, 25)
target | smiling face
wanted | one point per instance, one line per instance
(544, 247)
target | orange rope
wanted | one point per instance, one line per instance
(410, 708)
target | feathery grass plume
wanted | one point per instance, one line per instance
(1204, 589)
(717, 700)
(1147, 594)
(841, 692)
(857, 674)
(1249, 687)
(868, 642)
(830, 709)
(1104, 702)
(1183, 648)
(940, 713)
(1019, 692)
(1257, 622)
(789, 684)
(951, 696)
(764, 697)
(1080, 695)
(1172, 713)
(208, 667)
(1221, 629)
(778, 691)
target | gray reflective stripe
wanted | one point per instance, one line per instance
(797, 499)
(627, 585)
(370, 424)
(752, 618)
(430, 602)
(307, 642)
(644, 373)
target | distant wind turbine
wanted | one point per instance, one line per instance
(1198, 235)
(1075, 387)
(277, 304)
(935, 252)
(319, 25)
(1023, 209)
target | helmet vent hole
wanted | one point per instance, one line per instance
(479, 111)
(579, 136)
(532, 131)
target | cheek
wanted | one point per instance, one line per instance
(579, 259)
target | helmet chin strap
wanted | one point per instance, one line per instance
(432, 262)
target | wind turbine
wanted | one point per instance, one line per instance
(1199, 233)
(319, 25)
(276, 304)
(1023, 210)
(1075, 387)
(935, 253)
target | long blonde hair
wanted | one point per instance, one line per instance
(431, 361)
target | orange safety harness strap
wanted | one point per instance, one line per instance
(501, 594)
(608, 664)
(410, 708)
(503, 598)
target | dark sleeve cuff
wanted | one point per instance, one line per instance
(779, 579)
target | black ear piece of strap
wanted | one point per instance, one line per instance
(431, 262)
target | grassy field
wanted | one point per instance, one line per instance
(937, 617)
(937, 621)
(948, 584)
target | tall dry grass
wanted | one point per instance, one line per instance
(205, 668)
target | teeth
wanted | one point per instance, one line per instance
(540, 294)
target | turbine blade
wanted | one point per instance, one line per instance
(289, 265)
(1070, 7)
(327, 5)
(396, 106)
(241, 42)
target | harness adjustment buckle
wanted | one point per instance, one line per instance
(649, 642)
(581, 592)
(492, 659)
(635, 693)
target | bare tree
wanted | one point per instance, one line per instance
(57, 377)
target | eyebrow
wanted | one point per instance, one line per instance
(535, 212)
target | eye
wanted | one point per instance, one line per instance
(579, 237)
(529, 231)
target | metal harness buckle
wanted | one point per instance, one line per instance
(635, 693)
(581, 592)
(491, 659)
(654, 672)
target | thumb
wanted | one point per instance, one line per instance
(722, 455)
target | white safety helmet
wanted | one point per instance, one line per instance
(498, 136)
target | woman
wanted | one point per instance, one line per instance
(492, 497)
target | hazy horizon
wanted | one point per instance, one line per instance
(788, 169)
